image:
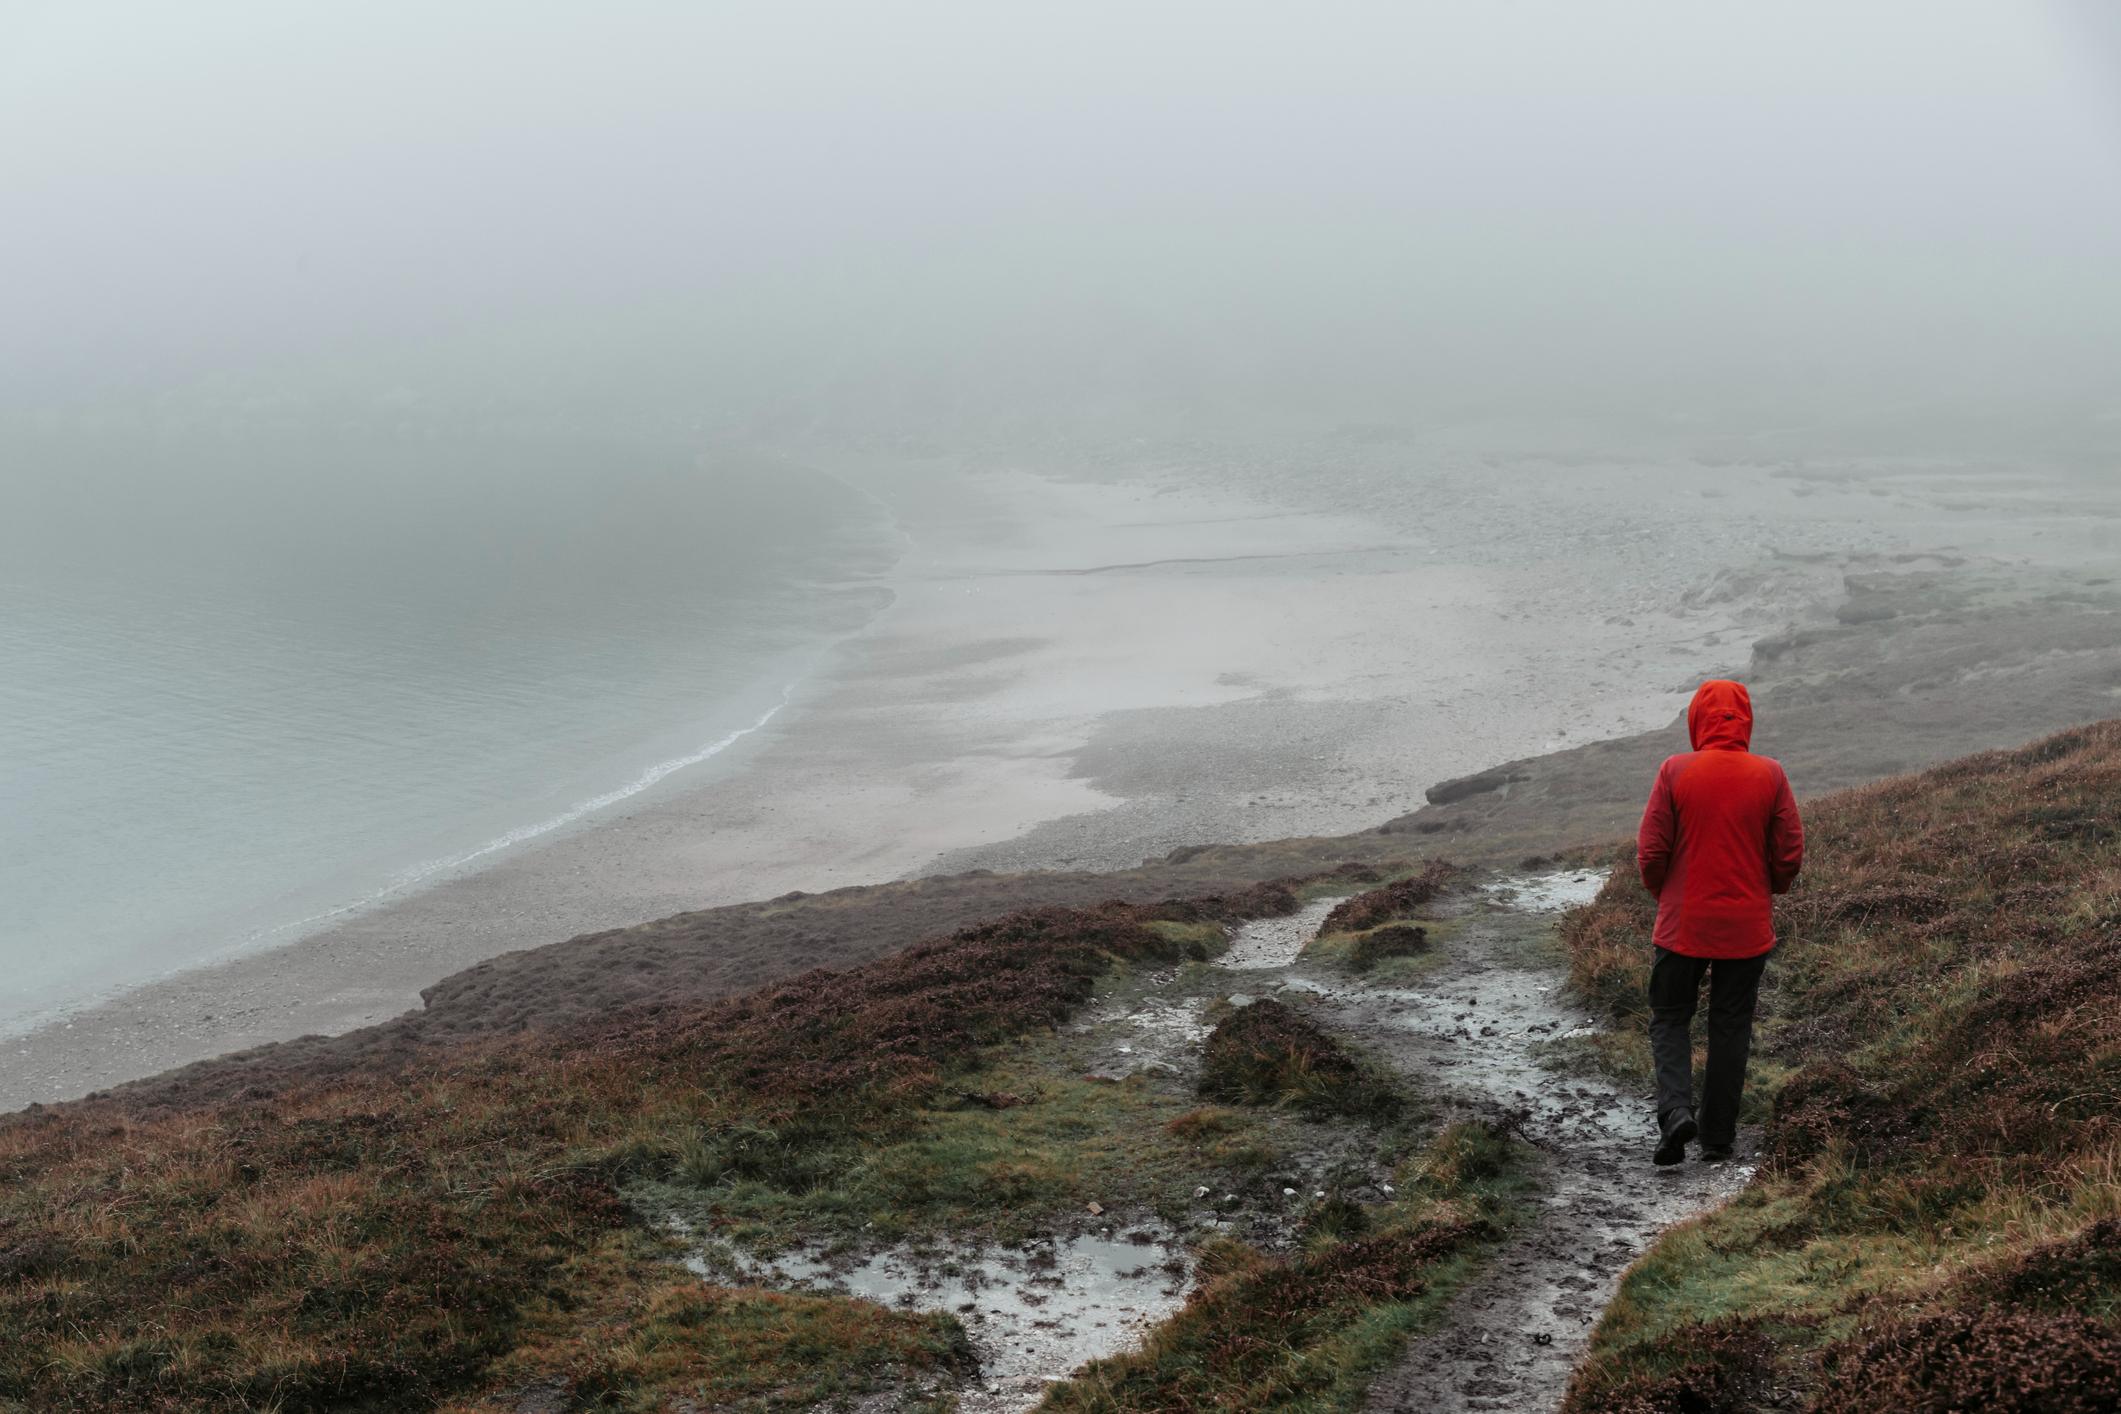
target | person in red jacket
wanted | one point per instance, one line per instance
(1719, 837)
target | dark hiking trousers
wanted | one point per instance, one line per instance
(1675, 985)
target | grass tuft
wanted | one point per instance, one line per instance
(1267, 1054)
(1396, 900)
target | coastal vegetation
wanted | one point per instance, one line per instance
(500, 1227)
(1398, 899)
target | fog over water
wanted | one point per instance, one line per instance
(417, 422)
(915, 214)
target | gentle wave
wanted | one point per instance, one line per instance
(590, 806)
(422, 872)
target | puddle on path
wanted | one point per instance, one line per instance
(1146, 1033)
(1556, 892)
(1275, 942)
(1164, 1034)
(1472, 1035)
(1033, 1313)
(1037, 1313)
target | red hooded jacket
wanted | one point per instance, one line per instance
(1720, 834)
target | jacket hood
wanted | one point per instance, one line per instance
(1720, 718)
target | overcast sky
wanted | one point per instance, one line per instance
(729, 202)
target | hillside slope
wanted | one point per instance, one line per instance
(1935, 1225)
(1937, 1221)
(501, 1230)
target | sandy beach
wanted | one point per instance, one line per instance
(1087, 671)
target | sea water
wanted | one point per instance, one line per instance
(251, 683)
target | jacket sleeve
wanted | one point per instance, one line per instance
(1653, 842)
(1785, 837)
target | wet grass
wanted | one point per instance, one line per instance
(1197, 942)
(740, 1348)
(1015, 1145)
(1937, 1222)
(1391, 942)
(1309, 1330)
(391, 1246)
(472, 1233)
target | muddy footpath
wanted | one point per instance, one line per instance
(1483, 1027)
(1487, 1030)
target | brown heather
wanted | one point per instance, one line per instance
(1395, 900)
(1977, 1360)
(1392, 940)
(1267, 1054)
(1722, 1368)
(1934, 1224)
(452, 1235)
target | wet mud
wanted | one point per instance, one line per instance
(1275, 942)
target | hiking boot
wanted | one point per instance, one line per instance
(1677, 1131)
(1715, 1153)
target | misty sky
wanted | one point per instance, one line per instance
(728, 206)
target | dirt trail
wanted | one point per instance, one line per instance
(1472, 1034)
